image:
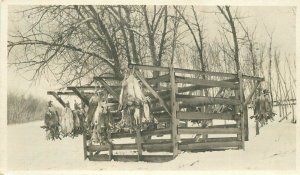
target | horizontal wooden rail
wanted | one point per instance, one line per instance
(206, 83)
(157, 146)
(194, 130)
(95, 148)
(188, 71)
(210, 145)
(159, 79)
(202, 100)
(132, 158)
(201, 115)
(131, 146)
(143, 133)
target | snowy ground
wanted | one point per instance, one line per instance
(273, 149)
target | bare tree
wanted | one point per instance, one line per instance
(225, 11)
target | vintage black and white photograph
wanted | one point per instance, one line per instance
(151, 87)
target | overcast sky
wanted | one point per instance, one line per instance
(281, 20)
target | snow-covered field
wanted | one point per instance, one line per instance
(273, 149)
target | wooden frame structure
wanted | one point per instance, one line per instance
(173, 101)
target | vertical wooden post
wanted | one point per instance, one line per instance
(84, 140)
(110, 145)
(257, 127)
(138, 141)
(84, 146)
(174, 106)
(242, 108)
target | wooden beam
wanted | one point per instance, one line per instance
(174, 108)
(94, 148)
(54, 94)
(159, 79)
(157, 146)
(214, 139)
(247, 101)
(202, 100)
(206, 83)
(72, 93)
(197, 72)
(210, 145)
(138, 141)
(161, 101)
(243, 128)
(207, 116)
(85, 87)
(157, 132)
(107, 87)
(84, 146)
(81, 96)
(197, 130)
(143, 133)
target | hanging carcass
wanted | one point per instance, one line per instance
(101, 119)
(93, 103)
(133, 103)
(51, 123)
(263, 108)
(78, 117)
(67, 121)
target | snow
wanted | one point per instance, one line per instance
(273, 149)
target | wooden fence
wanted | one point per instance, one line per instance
(178, 96)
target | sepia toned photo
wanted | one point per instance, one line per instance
(151, 87)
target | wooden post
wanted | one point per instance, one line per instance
(110, 145)
(54, 94)
(84, 146)
(107, 87)
(241, 91)
(174, 106)
(138, 141)
(82, 97)
(155, 94)
(257, 127)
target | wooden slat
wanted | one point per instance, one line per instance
(80, 95)
(133, 158)
(94, 148)
(206, 83)
(54, 94)
(143, 133)
(149, 67)
(216, 139)
(202, 100)
(107, 87)
(157, 146)
(159, 79)
(156, 132)
(188, 71)
(224, 126)
(247, 101)
(158, 141)
(210, 145)
(122, 135)
(84, 146)
(161, 116)
(72, 93)
(161, 101)
(85, 87)
(195, 130)
(202, 115)
(100, 157)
